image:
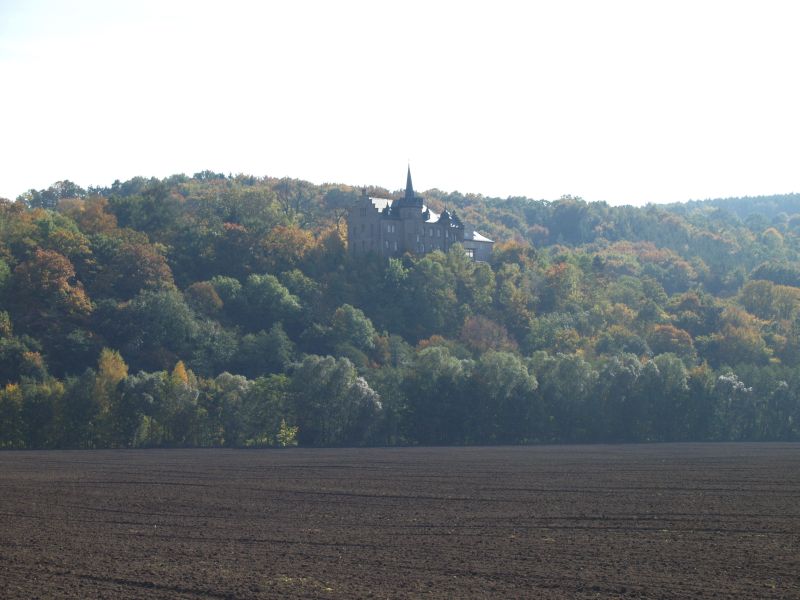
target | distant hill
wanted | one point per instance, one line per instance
(225, 310)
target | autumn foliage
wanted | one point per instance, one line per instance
(222, 310)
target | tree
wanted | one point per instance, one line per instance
(50, 197)
(134, 267)
(435, 389)
(50, 305)
(334, 405)
(665, 388)
(39, 410)
(79, 423)
(19, 356)
(12, 427)
(203, 298)
(179, 412)
(92, 214)
(618, 413)
(268, 301)
(514, 299)
(268, 405)
(738, 341)
(5, 278)
(349, 325)
(111, 371)
(503, 408)
(156, 326)
(481, 335)
(668, 338)
(566, 385)
(735, 417)
(767, 300)
(287, 435)
(560, 287)
(213, 348)
(430, 301)
(285, 247)
(45, 289)
(224, 399)
(337, 202)
(297, 200)
(264, 352)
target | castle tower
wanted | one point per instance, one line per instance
(409, 187)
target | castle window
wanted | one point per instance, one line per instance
(395, 246)
(417, 238)
(363, 212)
(362, 228)
(438, 233)
(430, 232)
(387, 243)
(469, 252)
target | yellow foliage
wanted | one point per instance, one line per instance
(621, 314)
(13, 392)
(111, 367)
(179, 373)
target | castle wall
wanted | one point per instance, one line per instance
(363, 228)
(480, 251)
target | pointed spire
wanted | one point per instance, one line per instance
(409, 187)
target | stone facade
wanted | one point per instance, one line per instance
(391, 228)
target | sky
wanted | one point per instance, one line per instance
(629, 102)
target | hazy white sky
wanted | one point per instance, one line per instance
(624, 101)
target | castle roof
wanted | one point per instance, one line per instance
(476, 237)
(383, 203)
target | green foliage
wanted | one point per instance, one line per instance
(334, 405)
(157, 325)
(264, 352)
(267, 301)
(349, 325)
(225, 294)
(5, 277)
(287, 435)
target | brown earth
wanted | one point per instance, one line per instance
(660, 521)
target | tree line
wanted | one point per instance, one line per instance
(220, 310)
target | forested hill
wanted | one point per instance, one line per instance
(755, 210)
(218, 310)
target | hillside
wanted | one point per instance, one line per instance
(224, 310)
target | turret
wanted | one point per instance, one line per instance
(409, 187)
(410, 199)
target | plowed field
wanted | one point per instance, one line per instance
(660, 521)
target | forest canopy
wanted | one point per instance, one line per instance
(219, 310)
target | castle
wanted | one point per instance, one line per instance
(391, 228)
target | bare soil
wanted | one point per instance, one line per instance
(660, 521)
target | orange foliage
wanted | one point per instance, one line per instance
(481, 334)
(45, 280)
(286, 246)
(91, 214)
